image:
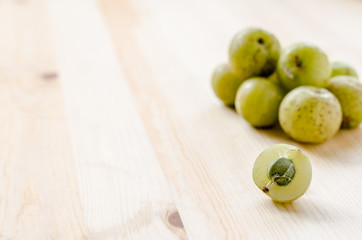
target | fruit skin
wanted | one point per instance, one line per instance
(303, 64)
(275, 79)
(300, 182)
(225, 84)
(349, 93)
(254, 52)
(258, 100)
(342, 68)
(310, 115)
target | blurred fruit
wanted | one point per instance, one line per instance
(258, 101)
(254, 52)
(303, 64)
(225, 84)
(349, 93)
(342, 68)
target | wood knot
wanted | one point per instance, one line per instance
(50, 76)
(175, 220)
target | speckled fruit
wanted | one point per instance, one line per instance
(303, 64)
(309, 114)
(342, 68)
(258, 100)
(283, 172)
(225, 84)
(349, 93)
(254, 52)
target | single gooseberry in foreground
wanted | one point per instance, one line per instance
(283, 172)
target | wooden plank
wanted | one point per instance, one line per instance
(38, 187)
(167, 51)
(122, 188)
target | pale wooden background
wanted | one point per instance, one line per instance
(109, 128)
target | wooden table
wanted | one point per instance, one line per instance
(110, 129)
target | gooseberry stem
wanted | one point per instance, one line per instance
(270, 183)
(268, 186)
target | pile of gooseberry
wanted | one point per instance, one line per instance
(297, 86)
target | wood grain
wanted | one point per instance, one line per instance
(109, 128)
(123, 191)
(39, 195)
